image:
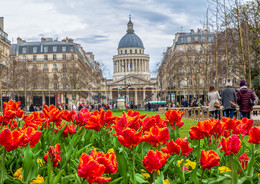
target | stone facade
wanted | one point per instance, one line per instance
(188, 67)
(53, 72)
(5, 45)
(131, 72)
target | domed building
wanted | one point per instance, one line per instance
(131, 71)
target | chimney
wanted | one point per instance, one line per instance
(20, 41)
(43, 40)
(198, 30)
(191, 31)
(2, 23)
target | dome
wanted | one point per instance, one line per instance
(130, 40)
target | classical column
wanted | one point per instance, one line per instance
(153, 95)
(135, 65)
(148, 69)
(143, 94)
(136, 100)
(110, 94)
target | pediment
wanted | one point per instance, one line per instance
(132, 80)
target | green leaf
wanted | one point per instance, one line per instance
(140, 178)
(122, 163)
(160, 179)
(11, 180)
(116, 180)
(194, 176)
(168, 164)
(29, 170)
(50, 170)
(170, 180)
(219, 179)
(57, 178)
(250, 168)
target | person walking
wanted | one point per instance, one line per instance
(228, 95)
(243, 98)
(214, 103)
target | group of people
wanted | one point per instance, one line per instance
(230, 98)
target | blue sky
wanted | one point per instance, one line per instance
(98, 25)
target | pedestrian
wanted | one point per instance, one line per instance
(245, 99)
(214, 103)
(228, 95)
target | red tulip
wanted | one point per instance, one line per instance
(108, 160)
(69, 129)
(54, 155)
(91, 170)
(229, 124)
(94, 121)
(254, 135)
(125, 121)
(30, 135)
(33, 120)
(11, 110)
(180, 146)
(132, 113)
(243, 127)
(129, 137)
(151, 121)
(107, 117)
(154, 160)
(156, 136)
(82, 117)
(11, 139)
(243, 159)
(209, 159)
(53, 113)
(232, 145)
(68, 115)
(174, 118)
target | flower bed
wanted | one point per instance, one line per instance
(96, 147)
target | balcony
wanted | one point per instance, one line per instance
(5, 40)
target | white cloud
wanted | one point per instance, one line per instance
(101, 23)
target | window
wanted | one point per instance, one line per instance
(140, 52)
(188, 39)
(55, 86)
(34, 67)
(54, 67)
(45, 49)
(54, 57)
(34, 49)
(64, 49)
(45, 58)
(121, 52)
(136, 51)
(45, 68)
(54, 48)
(71, 48)
(24, 58)
(196, 38)
(130, 51)
(125, 51)
(24, 50)
(64, 56)
(34, 57)
(64, 66)
(72, 56)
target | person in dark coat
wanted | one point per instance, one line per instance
(243, 98)
(228, 95)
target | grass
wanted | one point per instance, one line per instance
(184, 131)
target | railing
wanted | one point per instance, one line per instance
(202, 113)
(5, 39)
